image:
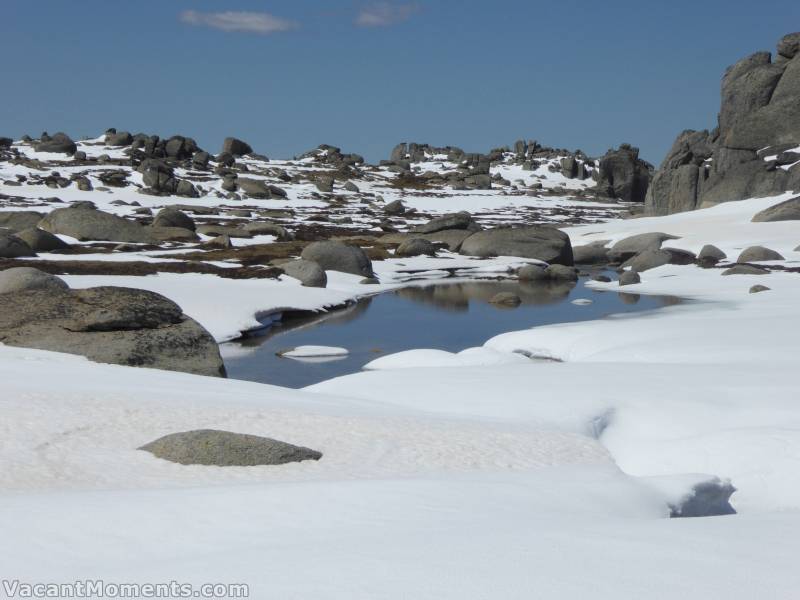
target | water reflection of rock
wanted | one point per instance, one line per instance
(457, 296)
(303, 320)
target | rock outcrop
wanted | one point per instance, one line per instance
(746, 154)
(106, 324)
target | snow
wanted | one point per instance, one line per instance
(306, 352)
(474, 474)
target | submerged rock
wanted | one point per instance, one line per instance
(226, 449)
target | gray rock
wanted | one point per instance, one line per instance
(649, 259)
(236, 147)
(789, 45)
(590, 254)
(217, 230)
(788, 210)
(308, 272)
(171, 217)
(13, 247)
(324, 185)
(255, 188)
(745, 270)
(351, 187)
(629, 247)
(221, 242)
(508, 299)
(18, 279)
(59, 143)
(542, 243)
(460, 220)
(186, 189)
(711, 254)
(370, 281)
(562, 273)
(758, 253)
(624, 174)
(336, 256)
(110, 324)
(394, 208)
(759, 288)
(19, 220)
(119, 138)
(41, 241)
(226, 449)
(533, 273)
(90, 224)
(629, 278)
(415, 247)
(157, 235)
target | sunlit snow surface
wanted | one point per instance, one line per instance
(488, 476)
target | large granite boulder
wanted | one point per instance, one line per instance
(623, 175)
(226, 449)
(110, 324)
(19, 279)
(41, 241)
(171, 217)
(90, 224)
(236, 147)
(308, 272)
(759, 117)
(13, 247)
(785, 211)
(19, 220)
(59, 143)
(336, 256)
(543, 243)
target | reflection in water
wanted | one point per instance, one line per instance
(457, 296)
(448, 316)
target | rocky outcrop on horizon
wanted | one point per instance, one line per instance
(755, 149)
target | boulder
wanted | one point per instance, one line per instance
(351, 187)
(336, 256)
(758, 288)
(624, 175)
(41, 241)
(788, 210)
(758, 253)
(308, 272)
(256, 188)
(705, 499)
(13, 247)
(629, 278)
(158, 176)
(110, 324)
(416, 247)
(157, 235)
(649, 259)
(745, 270)
(460, 220)
(711, 254)
(629, 247)
(561, 273)
(533, 273)
(91, 224)
(171, 217)
(59, 143)
(789, 45)
(19, 279)
(394, 208)
(226, 449)
(119, 138)
(236, 147)
(590, 254)
(540, 242)
(19, 220)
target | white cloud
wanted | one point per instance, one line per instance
(238, 21)
(382, 14)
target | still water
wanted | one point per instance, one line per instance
(445, 316)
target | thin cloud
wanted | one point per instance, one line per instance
(383, 14)
(238, 21)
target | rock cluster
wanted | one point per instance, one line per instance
(749, 153)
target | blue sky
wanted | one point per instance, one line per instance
(366, 75)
